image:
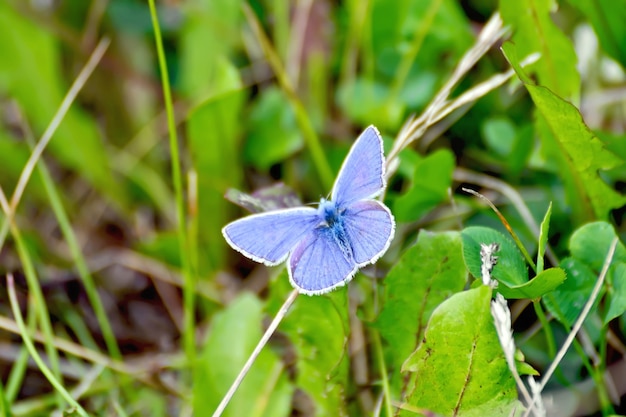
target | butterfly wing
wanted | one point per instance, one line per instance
(318, 265)
(369, 226)
(269, 237)
(361, 175)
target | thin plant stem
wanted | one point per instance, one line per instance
(301, 21)
(545, 325)
(310, 137)
(5, 410)
(255, 353)
(409, 57)
(189, 299)
(415, 128)
(605, 389)
(579, 322)
(583, 315)
(79, 351)
(76, 253)
(39, 303)
(20, 364)
(69, 98)
(357, 12)
(33, 352)
(464, 175)
(380, 357)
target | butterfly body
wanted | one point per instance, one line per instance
(332, 222)
(327, 245)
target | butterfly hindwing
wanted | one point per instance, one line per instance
(361, 175)
(369, 226)
(269, 237)
(317, 265)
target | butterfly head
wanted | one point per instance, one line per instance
(329, 213)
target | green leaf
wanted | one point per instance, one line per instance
(534, 31)
(209, 26)
(426, 274)
(365, 102)
(545, 282)
(460, 367)
(543, 238)
(274, 134)
(235, 332)
(30, 64)
(525, 369)
(608, 23)
(567, 301)
(591, 242)
(586, 155)
(582, 154)
(214, 131)
(431, 180)
(616, 293)
(522, 148)
(499, 134)
(317, 328)
(510, 270)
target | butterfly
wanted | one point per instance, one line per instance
(325, 246)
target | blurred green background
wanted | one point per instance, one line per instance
(263, 92)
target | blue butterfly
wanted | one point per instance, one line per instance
(326, 245)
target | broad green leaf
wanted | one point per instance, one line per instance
(431, 179)
(540, 285)
(318, 330)
(510, 269)
(582, 154)
(499, 134)
(213, 131)
(616, 293)
(273, 133)
(567, 301)
(591, 242)
(534, 31)
(460, 367)
(608, 23)
(585, 154)
(30, 64)
(426, 274)
(265, 391)
(543, 238)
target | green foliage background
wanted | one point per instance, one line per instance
(138, 306)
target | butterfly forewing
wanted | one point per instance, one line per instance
(361, 175)
(269, 237)
(316, 264)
